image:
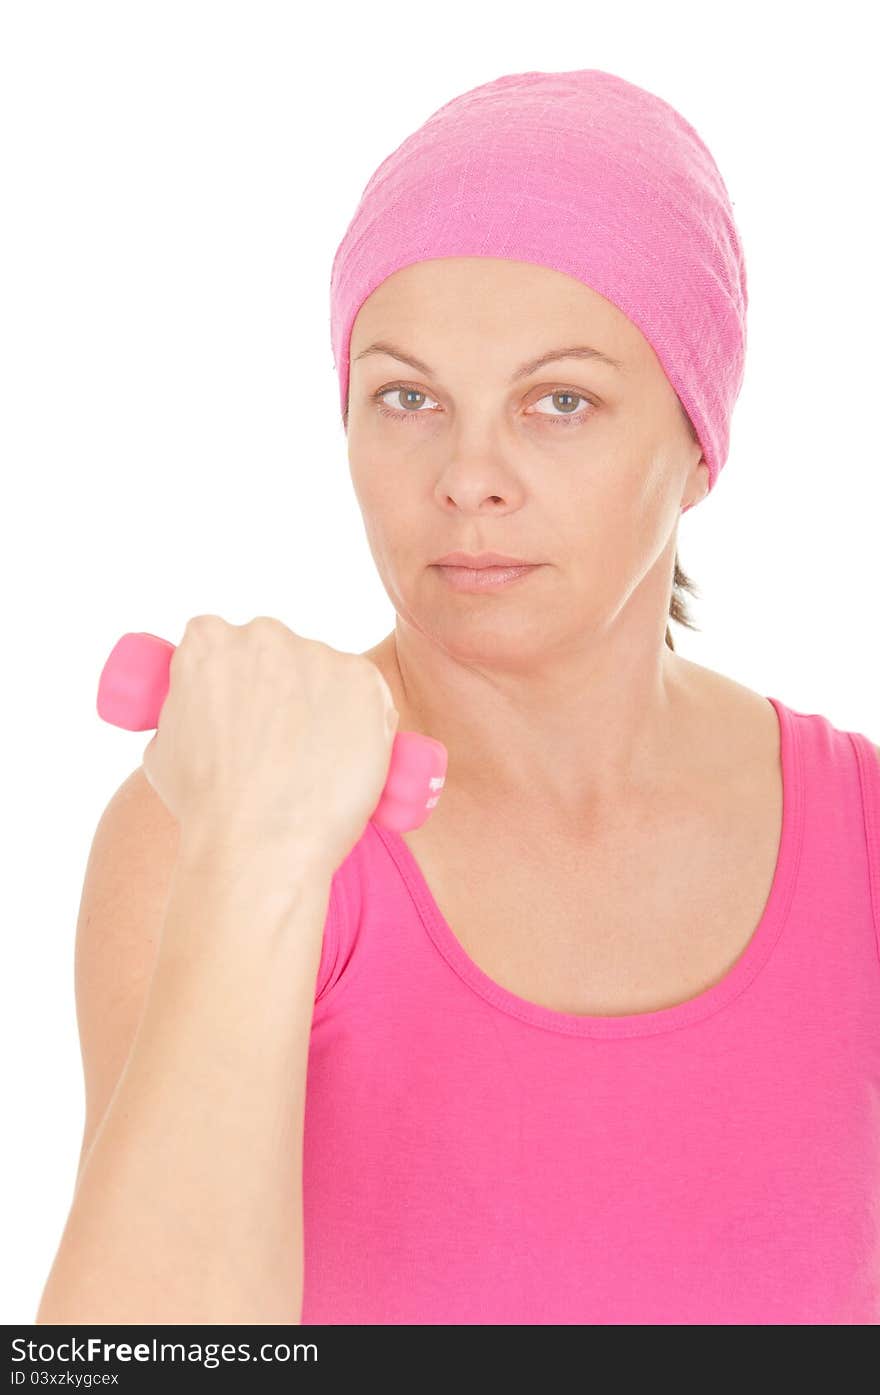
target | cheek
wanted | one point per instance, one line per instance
(370, 474)
(631, 490)
(605, 544)
(658, 507)
(393, 517)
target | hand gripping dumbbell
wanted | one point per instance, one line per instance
(134, 683)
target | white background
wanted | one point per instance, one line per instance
(175, 180)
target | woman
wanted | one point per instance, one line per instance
(605, 1029)
(599, 1042)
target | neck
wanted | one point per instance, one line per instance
(594, 728)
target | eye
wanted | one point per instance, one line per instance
(403, 391)
(417, 400)
(567, 418)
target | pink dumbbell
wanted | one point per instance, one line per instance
(134, 684)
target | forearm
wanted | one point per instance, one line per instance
(189, 1204)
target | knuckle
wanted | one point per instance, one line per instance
(358, 667)
(204, 627)
(372, 678)
(205, 622)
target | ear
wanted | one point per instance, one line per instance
(698, 485)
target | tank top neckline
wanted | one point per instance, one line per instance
(695, 1009)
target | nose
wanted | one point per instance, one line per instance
(478, 485)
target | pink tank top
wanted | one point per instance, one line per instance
(472, 1157)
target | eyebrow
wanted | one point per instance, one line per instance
(525, 369)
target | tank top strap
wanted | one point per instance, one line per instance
(334, 936)
(344, 907)
(840, 774)
(868, 761)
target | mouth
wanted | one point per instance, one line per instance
(484, 578)
(480, 560)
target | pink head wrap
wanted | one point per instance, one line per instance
(589, 175)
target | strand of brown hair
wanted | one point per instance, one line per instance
(678, 609)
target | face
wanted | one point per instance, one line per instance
(577, 464)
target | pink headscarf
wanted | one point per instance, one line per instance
(589, 175)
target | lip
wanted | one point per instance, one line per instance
(484, 578)
(479, 560)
